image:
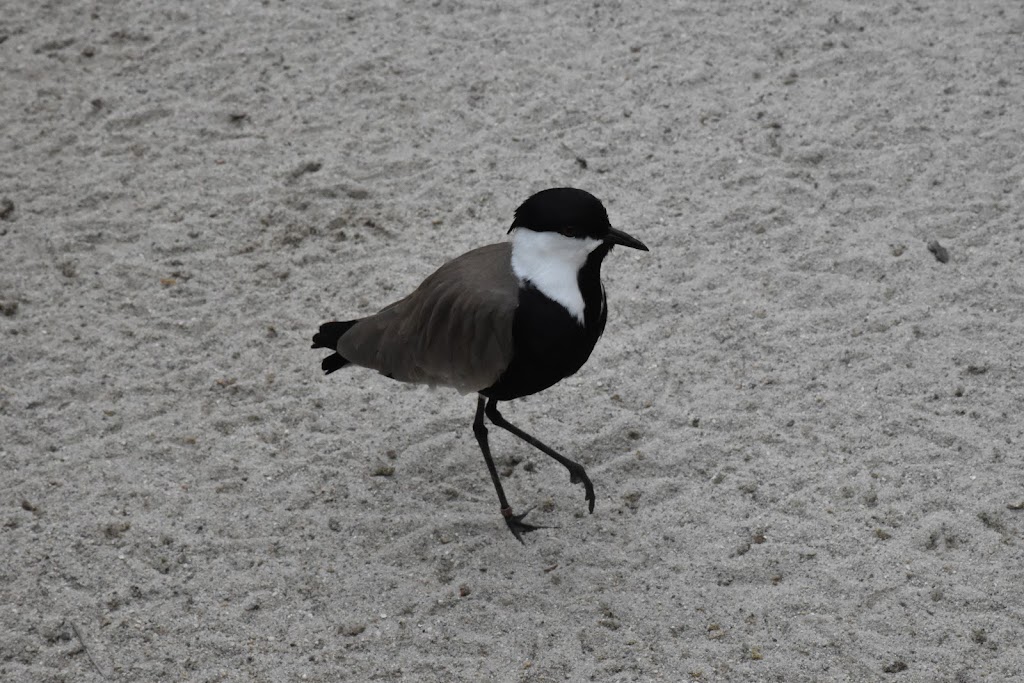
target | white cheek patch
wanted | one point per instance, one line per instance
(551, 262)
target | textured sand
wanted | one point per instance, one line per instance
(804, 430)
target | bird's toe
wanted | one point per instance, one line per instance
(517, 526)
(579, 476)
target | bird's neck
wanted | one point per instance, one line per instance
(566, 270)
(589, 282)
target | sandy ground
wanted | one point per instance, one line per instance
(804, 429)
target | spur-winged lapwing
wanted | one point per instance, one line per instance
(506, 320)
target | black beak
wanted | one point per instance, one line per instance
(618, 237)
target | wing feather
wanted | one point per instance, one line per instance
(454, 330)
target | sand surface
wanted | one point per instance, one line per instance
(804, 429)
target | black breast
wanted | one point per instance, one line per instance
(549, 344)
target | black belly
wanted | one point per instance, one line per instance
(549, 345)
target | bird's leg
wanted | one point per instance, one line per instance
(515, 522)
(576, 472)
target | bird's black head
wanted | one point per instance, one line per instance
(573, 213)
(565, 210)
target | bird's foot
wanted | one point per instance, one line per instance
(516, 524)
(577, 475)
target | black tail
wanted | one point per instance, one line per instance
(327, 338)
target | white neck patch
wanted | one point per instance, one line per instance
(551, 262)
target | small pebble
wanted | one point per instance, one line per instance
(6, 208)
(939, 251)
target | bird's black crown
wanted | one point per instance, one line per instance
(565, 210)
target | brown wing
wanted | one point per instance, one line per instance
(455, 330)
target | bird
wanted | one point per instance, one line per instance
(504, 321)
